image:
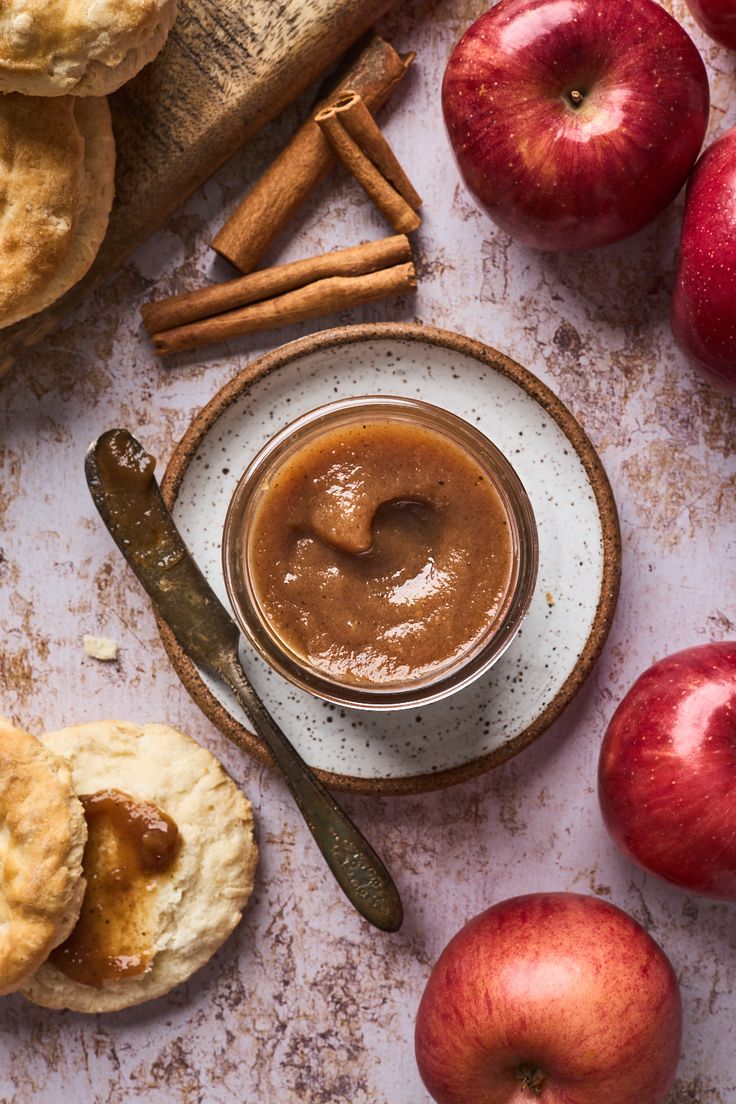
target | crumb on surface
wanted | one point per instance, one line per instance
(550, 598)
(100, 647)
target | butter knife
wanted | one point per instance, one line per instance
(120, 476)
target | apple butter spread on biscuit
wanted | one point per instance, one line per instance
(381, 552)
(130, 841)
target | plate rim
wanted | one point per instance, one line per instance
(239, 385)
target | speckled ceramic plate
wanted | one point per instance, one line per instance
(579, 551)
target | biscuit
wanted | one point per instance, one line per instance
(82, 47)
(42, 837)
(57, 166)
(199, 901)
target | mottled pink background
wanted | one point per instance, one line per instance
(306, 1004)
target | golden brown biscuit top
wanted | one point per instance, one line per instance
(41, 173)
(42, 837)
(49, 44)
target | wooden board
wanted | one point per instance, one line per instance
(228, 68)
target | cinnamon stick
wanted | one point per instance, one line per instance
(363, 129)
(390, 203)
(179, 310)
(322, 297)
(277, 196)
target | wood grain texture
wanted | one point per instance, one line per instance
(228, 68)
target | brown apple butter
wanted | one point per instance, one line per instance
(380, 552)
(129, 843)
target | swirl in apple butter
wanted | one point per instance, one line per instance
(381, 551)
(130, 842)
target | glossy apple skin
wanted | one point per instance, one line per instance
(704, 303)
(717, 18)
(566, 985)
(667, 773)
(562, 178)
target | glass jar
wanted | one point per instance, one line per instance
(251, 494)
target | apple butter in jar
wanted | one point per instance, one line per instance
(380, 552)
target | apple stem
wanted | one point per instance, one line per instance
(576, 97)
(532, 1078)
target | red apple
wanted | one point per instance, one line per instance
(575, 122)
(717, 18)
(555, 997)
(667, 775)
(704, 304)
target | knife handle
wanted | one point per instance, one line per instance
(359, 872)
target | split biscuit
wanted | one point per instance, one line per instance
(42, 838)
(199, 900)
(82, 47)
(57, 166)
